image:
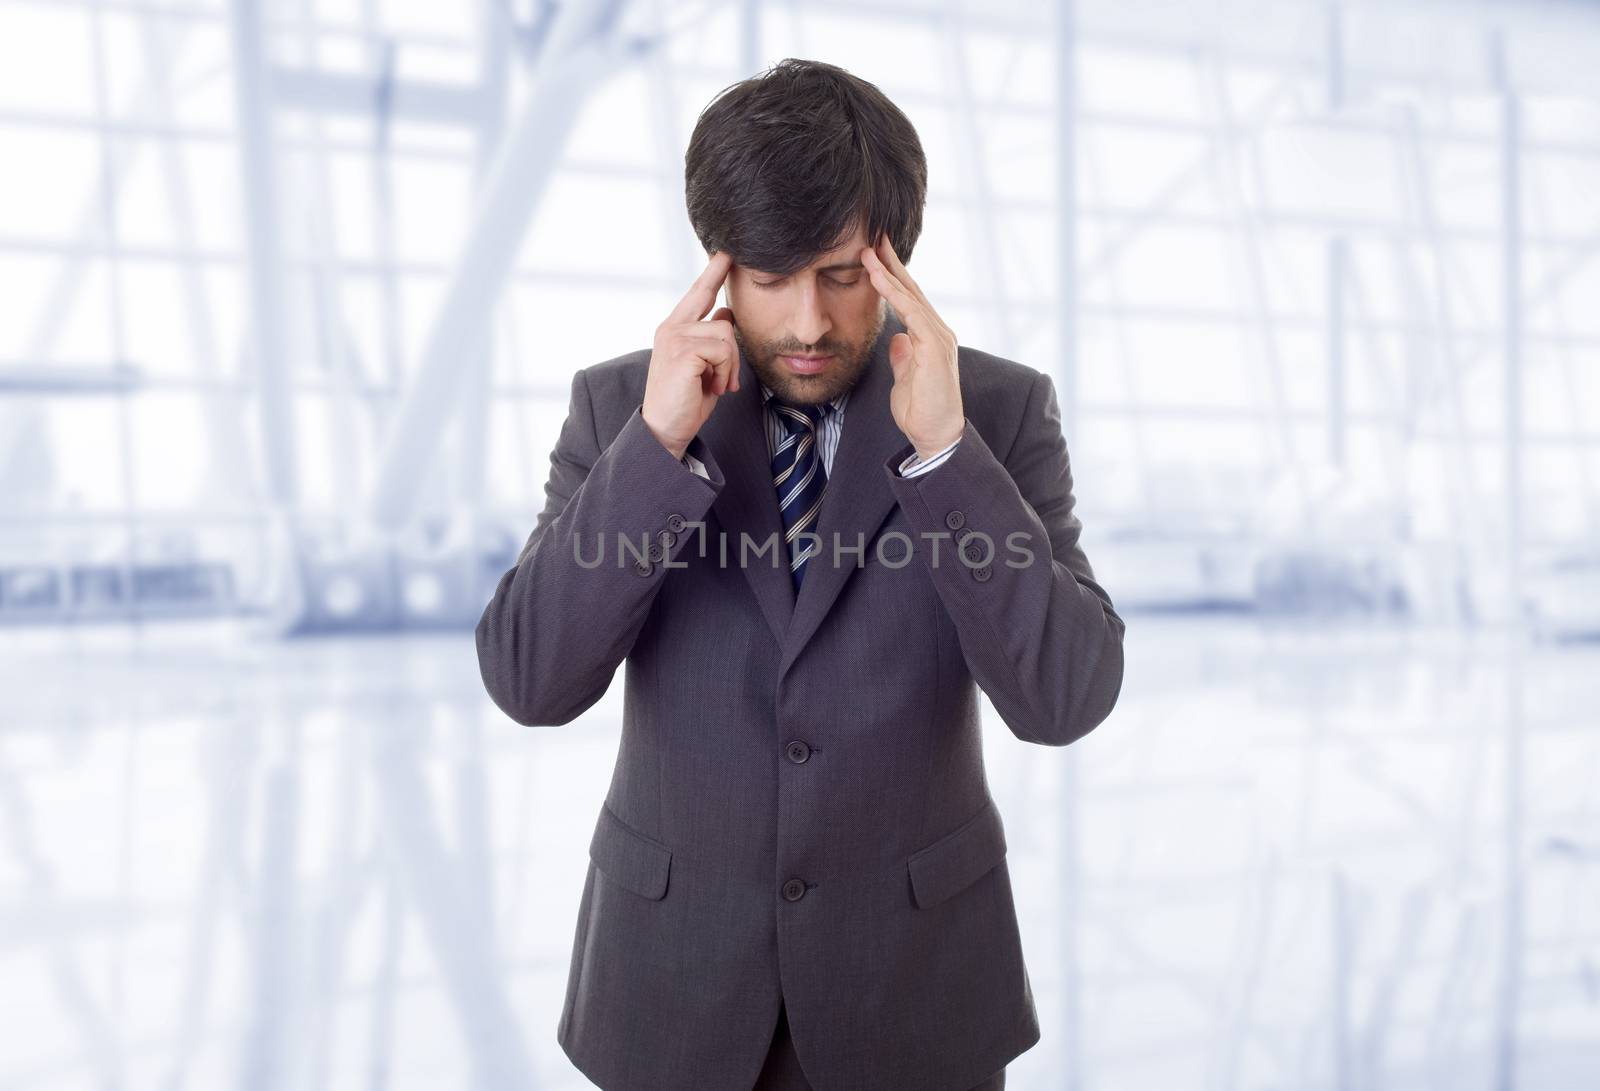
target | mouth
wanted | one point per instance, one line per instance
(807, 365)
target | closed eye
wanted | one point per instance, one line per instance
(834, 281)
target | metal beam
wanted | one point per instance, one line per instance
(585, 48)
(358, 96)
(268, 317)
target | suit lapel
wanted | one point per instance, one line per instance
(858, 497)
(856, 505)
(748, 502)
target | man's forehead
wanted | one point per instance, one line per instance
(845, 256)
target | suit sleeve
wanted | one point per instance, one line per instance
(568, 612)
(1040, 636)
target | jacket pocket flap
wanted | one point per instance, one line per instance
(628, 857)
(958, 859)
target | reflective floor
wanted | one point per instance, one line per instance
(1293, 858)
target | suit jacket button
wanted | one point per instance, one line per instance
(676, 522)
(644, 568)
(667, 538)
(798, 751)
(657, 551)
(794, 890)
(955, 520)
(982, 572)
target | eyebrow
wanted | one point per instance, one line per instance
(836, 267)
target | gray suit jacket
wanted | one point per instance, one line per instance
(799, 809)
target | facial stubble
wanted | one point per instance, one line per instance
(850, 364)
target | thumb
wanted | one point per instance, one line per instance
(900, 355)
(722, 314)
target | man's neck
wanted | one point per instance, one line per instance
(837, 402)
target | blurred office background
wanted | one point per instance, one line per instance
(290, 296)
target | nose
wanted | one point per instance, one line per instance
(810, 322)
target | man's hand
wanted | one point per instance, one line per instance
(692, 362)
(926, 399)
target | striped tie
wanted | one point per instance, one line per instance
(798, 476)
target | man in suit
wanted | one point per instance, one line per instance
(812, 525)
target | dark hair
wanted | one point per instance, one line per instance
(782, 166)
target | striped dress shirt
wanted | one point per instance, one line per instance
(827, 440)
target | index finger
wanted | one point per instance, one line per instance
(703, 292)
(909, 305)
(885, 253)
